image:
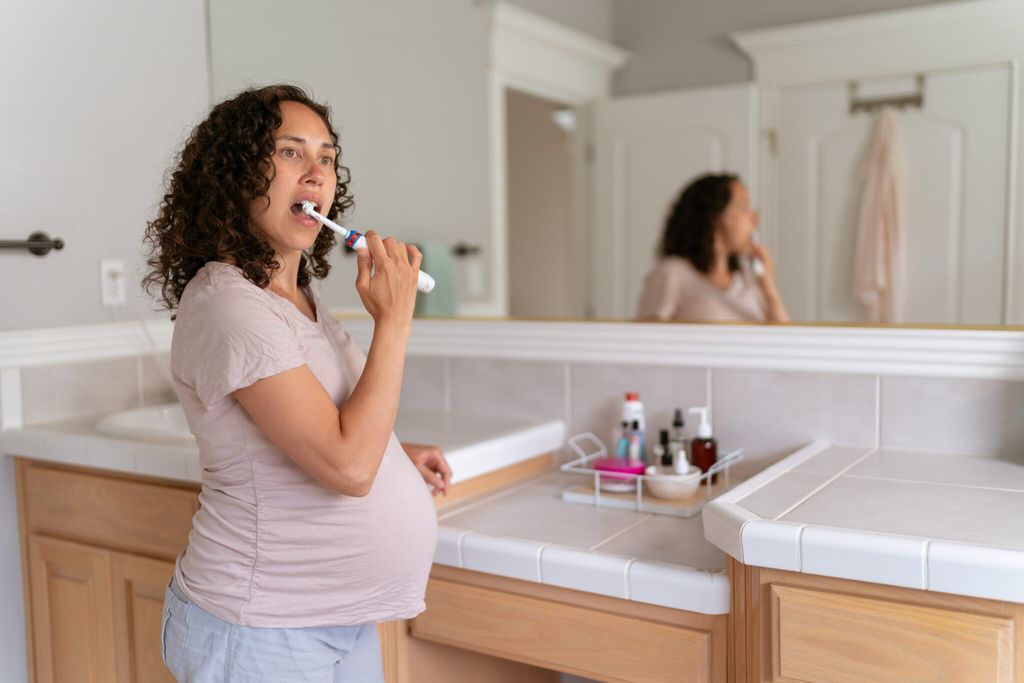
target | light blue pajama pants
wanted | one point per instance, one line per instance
(201, 648)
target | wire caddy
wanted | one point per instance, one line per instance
(589, 448)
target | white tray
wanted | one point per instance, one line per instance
(588, 490)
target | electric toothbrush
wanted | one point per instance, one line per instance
(756, 265)
(355, 240)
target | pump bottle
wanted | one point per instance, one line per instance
(703, 447)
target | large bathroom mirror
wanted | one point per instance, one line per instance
(887, 178)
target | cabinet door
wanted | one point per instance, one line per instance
(138, 602)
(72, 624)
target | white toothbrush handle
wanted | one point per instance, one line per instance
(424, 283)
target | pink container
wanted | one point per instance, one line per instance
(621, 474)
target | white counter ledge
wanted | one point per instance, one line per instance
(474, 445)
(931, 521)
(528, 532)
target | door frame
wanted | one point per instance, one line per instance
(540, 57)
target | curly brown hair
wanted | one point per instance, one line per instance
(225, 165)
(690, 226)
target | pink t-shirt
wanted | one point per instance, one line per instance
(271, 546)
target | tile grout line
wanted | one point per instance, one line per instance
(629, 567)
(619, 533)
(446, 382)
(937, 483)
(567, 407)
(924, 563)
(878, 410)
(836, 476)
(540, 562)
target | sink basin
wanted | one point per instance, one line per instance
(474, 445)
(162, 423)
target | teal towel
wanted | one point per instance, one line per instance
(440, 303)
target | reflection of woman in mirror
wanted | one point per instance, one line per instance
(703, 271)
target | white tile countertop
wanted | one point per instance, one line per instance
(474, 445)
(933, 521)
(528, 532)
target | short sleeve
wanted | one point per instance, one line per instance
(661, 293)
(228, 337)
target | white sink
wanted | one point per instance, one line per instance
(474, 445)
(163, 423)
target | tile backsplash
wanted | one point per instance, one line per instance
(53, 393)
(768, 413)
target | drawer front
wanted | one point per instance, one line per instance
(137, 517)
(564, 637)
(818, 635)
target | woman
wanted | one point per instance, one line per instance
(314, 523)
(701, 276)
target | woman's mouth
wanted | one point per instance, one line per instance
(302, 216)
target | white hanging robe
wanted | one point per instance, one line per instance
(880, 268)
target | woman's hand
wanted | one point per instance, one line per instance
(386, 281)
(776, 310)
(431, 463)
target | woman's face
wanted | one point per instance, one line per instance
(303, 171)
(738, 222)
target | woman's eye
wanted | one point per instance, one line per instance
(289, 153)
(327, 161)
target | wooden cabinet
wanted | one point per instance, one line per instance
(98, 552)
(797, 628)
(542, 629)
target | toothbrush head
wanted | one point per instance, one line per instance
(308, 207)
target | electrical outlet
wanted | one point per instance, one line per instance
(112, 284)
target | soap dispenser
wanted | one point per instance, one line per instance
(703, 448)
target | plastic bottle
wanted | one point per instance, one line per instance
(622, 442)
(703, 447)
(677, 443)
(633, 414)
(665, 458)
(636, 448)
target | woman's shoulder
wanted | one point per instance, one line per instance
(220, 289)
(676, 269)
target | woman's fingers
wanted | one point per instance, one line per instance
(415, 257)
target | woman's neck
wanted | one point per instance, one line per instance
(719, 272)
(286, 280)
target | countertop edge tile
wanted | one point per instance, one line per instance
(864, 556)
(584, 570)
(772, 544)
(772, 471)
(675, 587)
(511, 557)
(448, 550)
(485, 456)
(979, 571)
(723, 525)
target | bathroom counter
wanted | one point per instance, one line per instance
(930, 521)
(528, 532)
(473, 445)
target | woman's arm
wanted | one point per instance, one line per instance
(343, 449)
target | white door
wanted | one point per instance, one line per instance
(955, 151)
(646, 149)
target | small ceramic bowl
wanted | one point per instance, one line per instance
(671, 486)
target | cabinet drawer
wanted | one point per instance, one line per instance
(138, 517)
(588, 642)
(819, 635)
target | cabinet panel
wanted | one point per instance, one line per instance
(819, 636)
(115, 513)
(138, 587)
(71, 619)
(593, 643)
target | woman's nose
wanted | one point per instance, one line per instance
(316, 173)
